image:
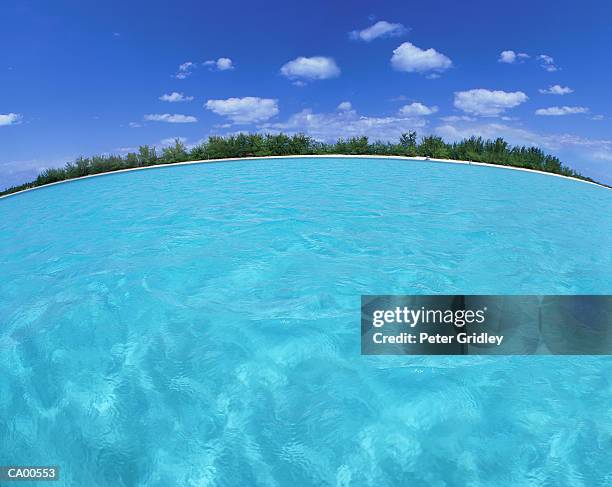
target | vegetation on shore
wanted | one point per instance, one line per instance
(476, 149)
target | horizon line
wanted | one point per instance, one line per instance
(297, 156)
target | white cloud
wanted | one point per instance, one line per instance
(343, 124)
(559, 111)
(410, 58)
(184, 70)
(224, 63)
(514, 135)
(175, 97)
(18, 172)
(170, 141)
(166, 117)
(604, 155)
(382, 28)
(345, 105)
(511, 57)
(10, 119)
(487, 130)
(134, 125)
(556, 90)
(417, 109)
(487, 102)
(310, 68)
(597, 117)
(548, 63)
(458, 118)
(221, 64)
(250, 109)
(521, 136)
(568, 146)
(507, 57)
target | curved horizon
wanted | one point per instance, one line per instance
(306, 156)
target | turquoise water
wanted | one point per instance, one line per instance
(199, 325)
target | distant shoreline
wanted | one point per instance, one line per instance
(310, 156)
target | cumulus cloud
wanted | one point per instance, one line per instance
(548, 63)
(559, 111)
(408, 57)
(310, 68)
(488, 103)
(507, 57)
(224, 64)
(345, 105)
(221, 64)
(175, 97)
(520, 136)
(452, 132)
(184, 70)
(568, 146)
(382, 28)
(250, 109)
(417, 109)
(166, 117)
(343, 124)
(556, 90)
(511, 57)
(9, 119)
(169, 141)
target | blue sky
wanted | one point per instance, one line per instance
(83, 78)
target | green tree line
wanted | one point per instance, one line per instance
(475, 149)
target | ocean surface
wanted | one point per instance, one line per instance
(199, 326)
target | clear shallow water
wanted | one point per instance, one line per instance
(199, 325)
